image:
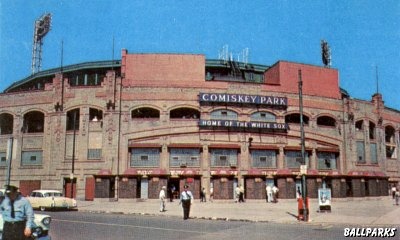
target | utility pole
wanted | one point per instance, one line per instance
(9, 159)
(73, 157)
(303, 158)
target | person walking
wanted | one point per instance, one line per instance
(275, 191)
(237, 193)
(17, 215)
(394, 192)
(269, 193)
(397, 196)
(186, 200)
(162, 197)
(211, 194)
(171, 193)
(203, 195)
(241, 193)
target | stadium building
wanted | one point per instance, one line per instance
(122, 129)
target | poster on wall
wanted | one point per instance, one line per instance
(324, 199)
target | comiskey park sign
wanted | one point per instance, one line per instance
(243, 99)
(270, 101)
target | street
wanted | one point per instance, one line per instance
(83, 225)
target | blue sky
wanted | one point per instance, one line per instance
(362, 34)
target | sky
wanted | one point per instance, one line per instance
(363, 35)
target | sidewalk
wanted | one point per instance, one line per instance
(372, 211)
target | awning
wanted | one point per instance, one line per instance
(185, 172)
(224, 172)
(264, 147)
(367, 173)
(104, 172)
(226, 146)
(184, 145)
(143, 145)
(284, 172)
(142, 172)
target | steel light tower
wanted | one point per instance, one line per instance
(41, 28)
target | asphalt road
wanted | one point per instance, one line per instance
(80, 225)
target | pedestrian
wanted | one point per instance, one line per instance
(275, 191)
(171, 193)
(211, 194)
(162, 197)
(203, 195)
(17, 215)
(397, 196)
(269, 193)
(241, 193)
(237, 193)
(186, 199)
(298, 193)
(393, 192)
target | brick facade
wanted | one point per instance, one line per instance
(166, 83)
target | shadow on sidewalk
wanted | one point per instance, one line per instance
(291, 214)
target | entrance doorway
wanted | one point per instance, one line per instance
(173, 188)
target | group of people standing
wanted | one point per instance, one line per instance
(271, 193)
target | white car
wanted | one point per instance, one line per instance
(41, 224)
(50, 199)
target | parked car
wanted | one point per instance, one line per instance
(41, 224)
(50, 199)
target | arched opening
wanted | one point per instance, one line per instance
(224, 115)
(295, 118)
(73, 116)
(33, 122)
(6, 123)
(359, 125)
(326, 121)
(145, 112)
(263, 117)
(185, 113)
(371, 130)
(95, 114)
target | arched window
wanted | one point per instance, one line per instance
(371, 130)
(145, 112)
(33, 122)
(326, 121)
(263, 117)
(6, 123)
(389, 134)
(224, 115)
(359, 125)
(95, 114)
(295, 118)
(185, 113)
(73, 116)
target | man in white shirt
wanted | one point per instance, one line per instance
(162, 199)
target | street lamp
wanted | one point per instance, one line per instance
(303, 158)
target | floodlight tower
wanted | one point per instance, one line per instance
(41, 28)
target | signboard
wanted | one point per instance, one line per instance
(243, 124)
(324, 199)
(243, 99)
